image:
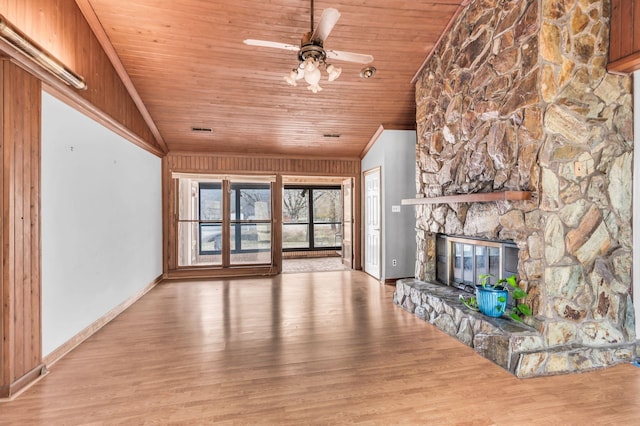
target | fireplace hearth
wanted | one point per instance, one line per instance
(511, 345)
(516, 347)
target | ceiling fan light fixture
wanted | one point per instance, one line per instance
(313, 76)
(292, 77)
(334, 72)
(309, 65)
(315, 88)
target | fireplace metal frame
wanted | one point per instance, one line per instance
(449, 271)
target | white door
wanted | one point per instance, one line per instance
(347, 223)
(372, 223)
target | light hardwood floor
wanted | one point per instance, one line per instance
(312, 348)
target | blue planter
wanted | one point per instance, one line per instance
(492, 301)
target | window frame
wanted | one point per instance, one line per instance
(310, 223)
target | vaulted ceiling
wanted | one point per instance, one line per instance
(188, 63)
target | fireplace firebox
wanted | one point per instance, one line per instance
(460, 262)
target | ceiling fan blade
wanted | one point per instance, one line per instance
(273, 44)
(328, 20)
(358, 58)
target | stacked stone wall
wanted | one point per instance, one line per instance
(517, 97)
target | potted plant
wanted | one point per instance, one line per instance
(491, 299)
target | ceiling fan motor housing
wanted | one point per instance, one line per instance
(310, 48)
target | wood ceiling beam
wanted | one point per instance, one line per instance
(96, 26)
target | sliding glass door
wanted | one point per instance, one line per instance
(199, 214)
(224, 222)
(312, 218)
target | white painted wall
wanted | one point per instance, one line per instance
(101, 221)
(395, 153)
(636, 198)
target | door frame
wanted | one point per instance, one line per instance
(378, 170)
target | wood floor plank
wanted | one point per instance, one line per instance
(309, 348)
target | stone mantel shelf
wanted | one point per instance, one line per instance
(479, 197)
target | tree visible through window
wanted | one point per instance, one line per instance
(312, 218)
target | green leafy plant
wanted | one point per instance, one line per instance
(470, 302)
(511, 285)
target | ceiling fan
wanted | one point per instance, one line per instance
(311, 53)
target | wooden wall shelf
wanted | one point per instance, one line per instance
(479, 197)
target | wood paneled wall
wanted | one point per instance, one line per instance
(59, 27)
(20, 340)
(624, 43)
(265, 165)
(245, 165)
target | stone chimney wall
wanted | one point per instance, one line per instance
(517, 97)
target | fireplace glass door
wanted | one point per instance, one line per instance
(460, 262)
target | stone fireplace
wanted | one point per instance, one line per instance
(517, 98)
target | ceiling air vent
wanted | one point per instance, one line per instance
(202, 129)
(331, 135)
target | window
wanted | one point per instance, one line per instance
(224, 222)
(312, 218)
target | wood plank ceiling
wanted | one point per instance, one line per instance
(188, 63)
